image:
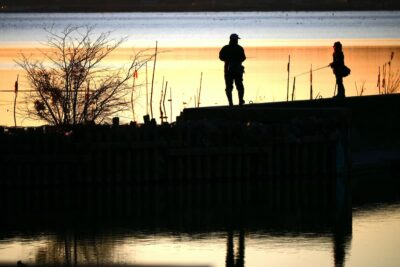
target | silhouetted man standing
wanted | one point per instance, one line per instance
(233, 56)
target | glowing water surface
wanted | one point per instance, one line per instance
(373, 242)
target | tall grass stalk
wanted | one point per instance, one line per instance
(389, 83)
(161, 99)
(294, 87)
(362, 88)
(165, 117)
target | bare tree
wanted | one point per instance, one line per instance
(71, 85)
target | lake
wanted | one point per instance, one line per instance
(208, 225)
(189, 44)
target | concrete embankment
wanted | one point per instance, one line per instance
(373, 124)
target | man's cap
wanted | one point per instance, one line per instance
(234, 36)
(337, 44)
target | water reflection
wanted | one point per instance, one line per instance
(72, 248)
(342, 242)
(235, 259)
(92, 225)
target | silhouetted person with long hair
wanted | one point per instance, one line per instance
(338, 67)
(233, 56)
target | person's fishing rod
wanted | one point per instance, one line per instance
(304, 73)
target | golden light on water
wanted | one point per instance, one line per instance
(265, 78)
(209, 249)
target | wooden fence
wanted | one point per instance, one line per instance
(168, 154)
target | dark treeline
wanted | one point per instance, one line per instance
(193, 5)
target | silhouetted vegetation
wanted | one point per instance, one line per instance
(71, 84)
(388, 79)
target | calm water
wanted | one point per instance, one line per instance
(213, 225)
(207, 27)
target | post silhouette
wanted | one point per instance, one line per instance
(311, 83)
(152, 81)
(288, 74)
(15, 100)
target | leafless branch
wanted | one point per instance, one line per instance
(71, 85)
